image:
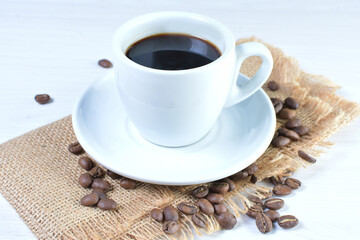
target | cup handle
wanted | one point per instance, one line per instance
(250, 85)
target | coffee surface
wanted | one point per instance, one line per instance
(169, 51)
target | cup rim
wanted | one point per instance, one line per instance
(124, 28)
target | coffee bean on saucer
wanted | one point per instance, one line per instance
(42, 98)
(226, 220)
(75, 148)
(157, 214)
(97, 172)
(273, 86)
(106, 204)
(127, 183)
(200, 192)
(280, 141)
(273, 215)
(287, 221)
(101, 184)
(277, 103)
(254, 210)
(85, 180)
(86, 163)
(255, 199)
(170, 213)
(252, 169)
(215, 198)
(112, 174)
(105, 63)
(220, 208)
(291, 103)
(282, 190)
(286, 113)
(302, 130)
(293, 123)
(170, 227)
(219, 187)
(306, 156)
(232, 185)
(274, 203)
(90, 199)
(199, 220)
(100, 192)
(188, 208)
(288, 133)
(253, 179)
(263, 223)
(293, 183)
(205, 206)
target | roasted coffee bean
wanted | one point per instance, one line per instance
(101, 184)
(205, 206)
(100, 192)
(220, 208)
(199, 220)
(287, 221)
(86, 163)
(293, 183)
(254, 210)
(215, 198)
(97, 172)
(232, 185)
(267, 195)
(277, 180)
(302, 130)
(306, 156)
(277, 103)
(219, 187)
(105, 63)
(273, 215)
(127, 183)
(291, 103)
(240, 175)
(282, 190)
(293, 123)
(273, 86)
(112, 174)
(200, 192)
(286, 113)
(263, 223)
(170, 213)
(170, 227)
(252, 169)
(253, 179)
(226, 220)
(42, 98)
(85, 180)
(274, 203)
(256, 200)
(188, 208)
(106, 204)
(288, 133)
(157, 214)
(75, 148)
(280, 141)
(90, 199)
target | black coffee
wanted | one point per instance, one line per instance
(169, 51)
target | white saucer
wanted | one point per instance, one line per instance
(241, 134)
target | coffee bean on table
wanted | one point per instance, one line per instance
(170, 227)
(106, 204)
(205, 206)
(97, 172)
(105, 63)
(293, 183)
(273, 86)
(219, 187)
(302, 130)
(199, 220)
(273, 215)
(232, 185)
(280, 141)
(42, 98)
(90, 199)
(220, 208)
(263, 223)
(293, 123)
(291, 103)
(306, 156)
(277, 103)
(252, 169)
(215, 198)
(226, 220)
(253, 179)
(101, 184)
(188, 208)
(288, 133)
(85, 180)
(112, 174)
(170, 213)
(127, 183)
(255, 199)
(157, 214)
(86, 163)
(200, 192)
(286, 113)
(100, 192)
(287, 221)
(274, 203)
(282, 190)
(254, 210)
(75, 148)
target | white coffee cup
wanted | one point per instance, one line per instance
(179, 107)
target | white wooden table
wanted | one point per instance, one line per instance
(53, 47)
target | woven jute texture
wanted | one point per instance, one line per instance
(39, 176)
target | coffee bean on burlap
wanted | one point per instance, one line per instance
(227, 220)
(101, 184)
(42, 98)
(293, 183)
(199, 220)
(86, 163)
(287, 221)
(97, 172)
(286, 113)
(170, 213)
(255, 199)
(85, 180)
(75, 148)
(215, 198)
(267, 195)
(278, 179)
(263, 223)
(240, 175)
(188, 208)
(157, 214)
(205, 206)
(253, 179)
(105, 63)
(220, 208)
(274, 203)
(273, 215)
(127, 183)
(282, 190)
(254, 210)
(252, 169)
(90, 199)
(232, 185)
(200, 192)
(293, 123)
(277, 103)
(100, 192)
(219, 187)
(280, 141)
(170, 227)
(301, 130)
(288, 133)
(112, 174)
(273, 86)
(291, 103)
(306, 156)
(106, 204)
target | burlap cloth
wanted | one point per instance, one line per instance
(39, 176)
